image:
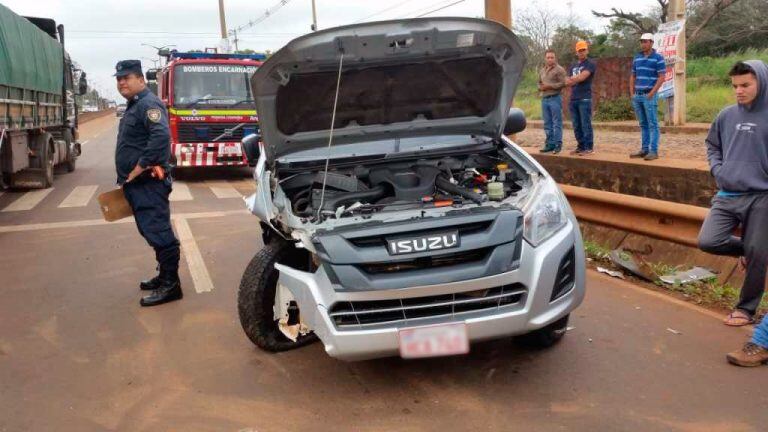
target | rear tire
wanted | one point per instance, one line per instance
(256, 297)
(43, 147)
(71, 162)
(548, 336)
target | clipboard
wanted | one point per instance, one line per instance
(114, 206)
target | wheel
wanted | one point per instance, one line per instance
(256, 297)
(43, 143)
(71, 162)
(548, 336)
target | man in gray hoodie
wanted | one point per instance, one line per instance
(737, 149)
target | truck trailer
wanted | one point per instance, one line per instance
(38, 112)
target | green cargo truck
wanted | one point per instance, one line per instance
(38, 114)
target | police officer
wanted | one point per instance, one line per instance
(141, 160)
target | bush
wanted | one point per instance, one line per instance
(615, 110)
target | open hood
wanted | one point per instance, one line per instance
(430, 76)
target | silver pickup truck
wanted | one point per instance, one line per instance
(397, 217)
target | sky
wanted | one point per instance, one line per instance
(99, 33)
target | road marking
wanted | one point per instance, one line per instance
(180, 192)
(28, 201)
(223, 189)
(197, 269)
(98, 222)
(79, 197)
(84, 142)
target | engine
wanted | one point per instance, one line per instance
(424, 183)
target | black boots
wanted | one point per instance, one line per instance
(166, 288)
(150, 284)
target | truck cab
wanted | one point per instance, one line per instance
(210, 106)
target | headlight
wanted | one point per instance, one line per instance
(545, 214)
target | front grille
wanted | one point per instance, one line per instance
(566, 275)
(206, 132)
(464, 229)
(361, 314)
(428, 262)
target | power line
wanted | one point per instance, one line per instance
(382, 11)
(441, 8)
(268, 13)
(421, 12)
(164, 32)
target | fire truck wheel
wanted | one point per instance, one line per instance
(256, 297)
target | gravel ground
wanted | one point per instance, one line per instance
(672, 146)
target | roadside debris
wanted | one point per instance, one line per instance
(692, 275)
(673, 331)
(614, 273)
(628, 261)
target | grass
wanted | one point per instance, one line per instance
(708, 293)
(708, 89)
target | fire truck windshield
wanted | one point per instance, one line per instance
(212, 85)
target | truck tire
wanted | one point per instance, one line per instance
(45, 162)
(256, 297)
(71, 162)
(548, 336)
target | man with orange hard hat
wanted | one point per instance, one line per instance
(580, 78)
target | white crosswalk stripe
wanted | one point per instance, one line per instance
(79, 197)
(180, 192)
(223, 189)
(82, 196)
(28, 201)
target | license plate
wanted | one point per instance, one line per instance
(424, 243)
(433, 341)
(230, 150)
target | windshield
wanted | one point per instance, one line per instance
(212, 85)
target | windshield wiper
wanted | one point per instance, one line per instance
(198, 100)
(243, 101)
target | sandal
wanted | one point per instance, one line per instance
(738, 318)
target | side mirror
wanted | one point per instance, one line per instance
(515, 121)
(151, 75)
(251, 147)
(82, 85)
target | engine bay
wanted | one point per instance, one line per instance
(422, 183)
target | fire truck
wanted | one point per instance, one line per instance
(210, 106)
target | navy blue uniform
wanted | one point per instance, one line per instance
(144, 139)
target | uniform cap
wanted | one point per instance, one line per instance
(125, 67)
(646, 36)
(580, 45)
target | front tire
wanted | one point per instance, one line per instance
(548, 336)
(256, 297)
(71, 162)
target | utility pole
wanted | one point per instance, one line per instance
(499, 11)
(223, 24)
(314, 16)
(676, 12)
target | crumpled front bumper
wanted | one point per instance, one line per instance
(314, 294)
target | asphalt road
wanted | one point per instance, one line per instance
(77, 353)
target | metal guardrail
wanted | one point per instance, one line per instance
(664, 220)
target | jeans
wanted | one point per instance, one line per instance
(646, 111)
(552, 113)
(581, 116)
(716, 237)
(760, 337)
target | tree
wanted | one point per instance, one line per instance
(738, 27)
(565, 38)
(536, 25)
(638, 22)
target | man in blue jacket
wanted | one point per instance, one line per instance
(141, 160)
(737, 149)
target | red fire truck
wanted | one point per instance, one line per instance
(210, 106)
